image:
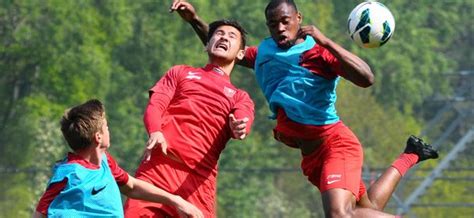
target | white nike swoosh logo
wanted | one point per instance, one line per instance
(333, 181)
(193, 77)
(193, 73)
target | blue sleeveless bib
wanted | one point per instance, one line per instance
(306, 98)
(88, 192)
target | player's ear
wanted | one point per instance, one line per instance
(98, 138)
(299, 16)
(241, 54)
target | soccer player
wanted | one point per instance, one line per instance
(191, 115)
(298, 69)
(88, 182)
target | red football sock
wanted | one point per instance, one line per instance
(405, 162)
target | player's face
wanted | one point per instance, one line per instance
(225, 44)
(283, 22)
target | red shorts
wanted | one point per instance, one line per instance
(337, 162)
(175, 178)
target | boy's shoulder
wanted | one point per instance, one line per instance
(74, 165)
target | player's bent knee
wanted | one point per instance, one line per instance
(365, 202)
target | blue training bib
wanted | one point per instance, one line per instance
(305, 97)
(88, 192)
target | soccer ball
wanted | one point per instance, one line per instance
(370, 24)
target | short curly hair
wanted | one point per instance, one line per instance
(275, 3)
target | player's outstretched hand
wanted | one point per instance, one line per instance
(314, 32)
(186, 209)
(184, 9)
(238, 127)
(154, 139)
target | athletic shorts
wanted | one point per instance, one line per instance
(336, 163)
(175, 178)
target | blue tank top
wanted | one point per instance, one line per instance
(88, 192)
(306, 98)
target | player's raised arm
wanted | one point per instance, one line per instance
(188, 13)
(354, 68)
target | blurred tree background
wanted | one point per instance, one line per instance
(59, 53)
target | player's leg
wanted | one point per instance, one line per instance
(340, 173)
(342, 203)
(338, 202)
(341, 176)
(380, 192)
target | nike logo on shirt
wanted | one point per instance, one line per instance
(333, 181)
(95, 191)
(193, 75)
(333, 178)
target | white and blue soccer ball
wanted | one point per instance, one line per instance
(371, 24)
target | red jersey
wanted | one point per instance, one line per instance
(319, 61)
(54, 189)
(191, 106)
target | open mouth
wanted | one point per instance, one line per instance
(222, 46)
(282, 39)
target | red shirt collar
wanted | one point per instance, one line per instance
(216, 69)
(74, 158)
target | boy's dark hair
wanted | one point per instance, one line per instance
(275, 3)
(225, 22)
(80, 123)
